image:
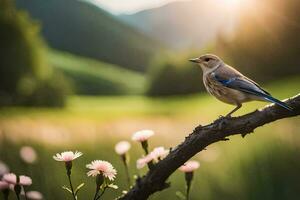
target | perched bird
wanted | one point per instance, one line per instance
(229, 85)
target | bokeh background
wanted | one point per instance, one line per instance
(85, 74)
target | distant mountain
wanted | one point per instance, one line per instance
(87, 30)
(184, 24)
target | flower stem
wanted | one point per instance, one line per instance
(25, 193)
(188, 178)
(17, 189)
(96, 193)
(102, 193)
(128, 175)
(5, 194)
(71, 186)
(124, 159)
(18, 196)
(187, 193)
(145, 147)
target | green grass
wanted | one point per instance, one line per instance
(90, 76)
(264, 165)
(111, 107)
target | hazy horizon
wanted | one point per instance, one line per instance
(131, 6)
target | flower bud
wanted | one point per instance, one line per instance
(68, 167)
(188, 178)
(99, 180)
(145, 146)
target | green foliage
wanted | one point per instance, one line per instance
(174, 75)
(50, 93)
(92, 77)
(266, 44)
(271, 172)
(84, 29)
(25, 76)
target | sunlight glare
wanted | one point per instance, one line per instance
(231, 3)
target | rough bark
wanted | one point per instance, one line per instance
(200, 138)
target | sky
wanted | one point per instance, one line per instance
(129, 6)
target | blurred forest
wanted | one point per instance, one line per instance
(25, 75)
(115, 57)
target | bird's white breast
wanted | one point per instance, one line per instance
(207, 70)
(221, 92)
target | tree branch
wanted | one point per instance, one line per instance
(200, 138)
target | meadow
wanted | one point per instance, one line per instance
(263, 165)
(90, 76)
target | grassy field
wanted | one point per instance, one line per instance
(90, 76)
(264, 165)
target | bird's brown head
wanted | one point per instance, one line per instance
(207, 61)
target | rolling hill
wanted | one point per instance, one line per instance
(84, 29)
(92, 77)
(184, 24)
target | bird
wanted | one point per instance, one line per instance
(231, 86)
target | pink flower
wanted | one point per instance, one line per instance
(10, 178)
(142, 136)
(189, 166)
(142, 162)
(3, 168)
(25, 180)
(67, 156)
(122, 147)
(34, 195)
(159, 153)
(4, 185)
(28, 154)
(102, 167)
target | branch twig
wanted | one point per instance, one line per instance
(200, 138)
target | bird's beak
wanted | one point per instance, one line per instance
(195, 60)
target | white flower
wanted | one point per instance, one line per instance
(10, 178)
(34, 195)
(4, 185)
(159, 153)
(122, 147)
(102, 167)
(142, 136)
(67, 156)
(25, 180)
(189, 166)
(3, 168)
(28, 154)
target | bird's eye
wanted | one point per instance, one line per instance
(207, 59)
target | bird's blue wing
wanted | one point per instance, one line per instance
(241, 84)
(248, 86)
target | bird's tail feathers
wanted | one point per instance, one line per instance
(278, 102)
